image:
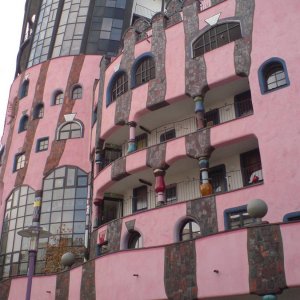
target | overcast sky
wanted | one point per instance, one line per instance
(11, 19)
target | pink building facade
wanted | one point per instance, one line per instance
(147, 160)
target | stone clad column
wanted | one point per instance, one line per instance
(160, 186)
(199, 111)
(205, 186)
(131, 142)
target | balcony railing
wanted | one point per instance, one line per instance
(229, 112)
(143, 11)
(189, 189)
(186, 126)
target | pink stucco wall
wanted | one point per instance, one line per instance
(217, 252)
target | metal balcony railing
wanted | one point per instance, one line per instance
(186, 126)
(189, 189)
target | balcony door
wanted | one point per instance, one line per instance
(217, 176)
(243, 104)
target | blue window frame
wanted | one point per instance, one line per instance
(273, 75)
(117, 86)
(293, 216)
(42, 144)
(237, 217)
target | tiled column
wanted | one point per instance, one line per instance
(131, 142)
(205, 186)
(199, 111)
(160, 186)
(98, 212)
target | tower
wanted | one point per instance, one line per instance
(146, 150)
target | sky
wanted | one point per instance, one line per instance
(11, 20)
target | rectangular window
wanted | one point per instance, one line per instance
(19, 161)
(171, 193)
(42, 144)
(141, 141)
(168, 135)
(139, 199)
(212, 117)
(251, 167)
(217, 176)
(243, 104)
(237, 217)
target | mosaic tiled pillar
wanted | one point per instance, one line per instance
(205, 186)
(160, 186)
(131, 142)
(199, 111)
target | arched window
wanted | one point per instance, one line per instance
(14, 248)
(70, 130)
(117, 87)
(77, 92)
(38, 112)
(189, 230)
(23, 125)
(24, 89)
(144, 70)
(217, 36)
(273, 75)
(58, 98)
(134, 240)
(63, 213)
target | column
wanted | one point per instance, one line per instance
(160, 186)
(199, 111)
(205, 186)
(98, 213)
(98, 160)
(131, 142)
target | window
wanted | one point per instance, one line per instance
(63, 213)
(111, 154)
(58, 98)
(216, 37)
(243, 104)
(134, 240)
(38, 112)
(167, 135)
(189, 230)
(42, 144)
(119, 87)
(24, 89)
(144, 71)
(251, 167)
(292, 217)
(212, 117)
(171, 193)
(23, 125)
(141, 141)
(273, 75)
(140, 199)
(19, 161)
(70, 130)
(77, 93)
(237, 217)
(217, 176)
(14, 249)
